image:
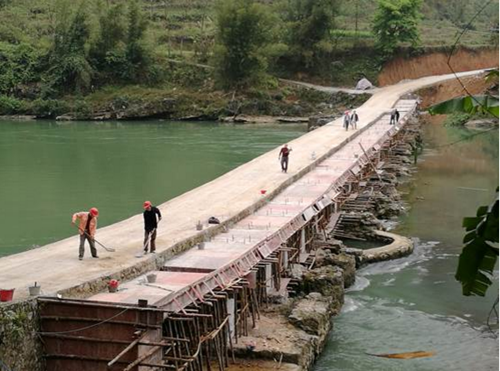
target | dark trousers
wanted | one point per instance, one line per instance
(284, 163)
(152, 239)
(84, 237)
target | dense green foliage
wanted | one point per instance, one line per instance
(70, 70)
(59, 49)
(243, 31)
(396, 22)
(91, 44)
(480, 253)
(309, 24)
(19, 66)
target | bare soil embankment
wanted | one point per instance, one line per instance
(452, 89)
(435, 63)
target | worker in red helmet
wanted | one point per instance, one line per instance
(151, 218)
(86, 227)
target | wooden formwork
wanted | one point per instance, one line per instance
(86, 336)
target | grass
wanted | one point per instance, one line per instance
(179, 24)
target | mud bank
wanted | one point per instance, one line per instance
(435, 62)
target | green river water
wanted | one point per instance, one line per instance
(49, 170)
(414, 303)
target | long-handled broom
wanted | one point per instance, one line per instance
(90, 237)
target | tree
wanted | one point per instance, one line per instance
(71, 71)
(243, 30)
(137, 53)
(309, 23)
(107, 53)
(395, 22)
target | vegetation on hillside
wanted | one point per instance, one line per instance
(54, 53)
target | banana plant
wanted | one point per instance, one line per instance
(480, 253)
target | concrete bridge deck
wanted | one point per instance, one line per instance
(230, 197)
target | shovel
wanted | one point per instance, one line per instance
(146, 245)
(100, 244)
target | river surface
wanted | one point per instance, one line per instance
(49, 170)
(414, 303)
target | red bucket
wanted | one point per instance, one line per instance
(6, 295)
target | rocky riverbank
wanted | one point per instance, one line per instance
(282, 104)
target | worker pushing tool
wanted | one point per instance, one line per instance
(151, 218)
(283, 157)
(86, 228)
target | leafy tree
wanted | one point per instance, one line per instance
(243, 30)
(395, 22)
(309, 24)
(19, 65)
(71, 71)
(137, 53)
(107, 53)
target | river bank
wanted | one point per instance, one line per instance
(178, 103)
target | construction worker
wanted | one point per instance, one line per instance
(283, 157)
(86, 228)
(347, 120)
(151, 218)
(354, 119)
(394, 117)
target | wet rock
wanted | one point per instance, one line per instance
(328, 281)
(297, 272)
(312, 314)
(66, 117)
(348, 265)
(357, 254)
(483, 124)
(331, 245)
(319, 256)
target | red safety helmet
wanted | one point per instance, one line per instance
(94, 212)
(147, 204)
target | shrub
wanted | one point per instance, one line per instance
(49, 108)
(9, 105)
(18, 66)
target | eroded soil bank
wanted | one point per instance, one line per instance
(436, 63)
